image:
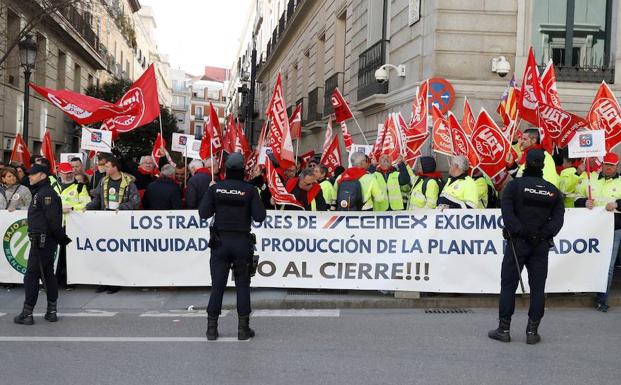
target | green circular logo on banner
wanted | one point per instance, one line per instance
(16, 245)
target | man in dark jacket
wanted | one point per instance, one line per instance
(164, 193)
(533, 213)
(307, 191)
(200, 181)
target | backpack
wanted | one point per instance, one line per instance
(349, 196)
(426, 180)
(492, 198)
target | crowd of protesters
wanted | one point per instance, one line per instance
(368, 185)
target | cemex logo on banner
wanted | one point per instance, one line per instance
(376, 222)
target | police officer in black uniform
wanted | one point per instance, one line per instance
(532, 211)
(235, 204)
(46, 232)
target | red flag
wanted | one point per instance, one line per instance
(605, 114)
(212, 142)
(262, 136)
(341, 108)
(441, 133)
(241, 143)
(251, 163)
(379, 141)
(347, 139)
(559, 124)
(158, 149)
(418, 123)
(20, 152)
(548, 85)
(295, 123)
(279, 193)
(331, 157)
(490, 145)
(230, 136)
(47, 151)
(531, 94)
(508, 107)
(280, 136)
(411, 141)
(391, 145)
(460, 141)
(306, 157)
(328, 138)
(468, 121)
(141, 102)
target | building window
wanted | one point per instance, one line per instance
(12, 64)
(61, 70)
(41, 66)
(199, 112)
(576, 35)
(77, 77)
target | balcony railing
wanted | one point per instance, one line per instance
(332, 82)
(290, 9)
(314, 114)
(285, 19)
(80, 23)
(589, 74)
(281, 24)
(368, 62)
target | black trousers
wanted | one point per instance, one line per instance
(234, 250)
(61, 267)
(535, 258)
(40, 264)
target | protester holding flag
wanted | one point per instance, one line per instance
(531, 140)
(200, 180)
(307, 191)
(460, 191)
(13, 196)
(393, 181)
(327, 188)
(357, 190)
(426, 186)
(164, 193)
(604, 190)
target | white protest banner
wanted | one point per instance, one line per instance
(265, 151)
(15, 246)
(96, 140)
(194, 147)
(363, 148)
(455, 251)
(180, 141)
(588, 144)
(67, 156)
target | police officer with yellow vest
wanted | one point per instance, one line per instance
(605, 190)
(356, 190)
(394, 181)
(74, 197)
(531, 140)
(327, 188)
(45, 232)
(460, 191)
(425, 186)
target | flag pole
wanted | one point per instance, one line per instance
(360, 128)
(185, 168)
(211, 157)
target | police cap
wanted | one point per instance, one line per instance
(535, 158)
(235, 161)
(37, 168)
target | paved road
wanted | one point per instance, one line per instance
(315, 347)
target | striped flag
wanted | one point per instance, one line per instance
(508, 106)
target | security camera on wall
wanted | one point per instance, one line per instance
(381, 74)
(501, 66)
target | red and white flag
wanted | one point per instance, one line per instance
(331, 156)
(559, 124)
(212, 142)
(280, 136)
(47, 151)
(305, 158)
(411, 141)
(548, 86)
(241, 142)
(328, 138)
(20, 153)
(230, 136)
(341, 108)
(468, 121)
(347, 139)
(461, 142)
(295, 123)
(441, 134)
(391, 145)
(418, 123)
(279, 193)
(159, 148)
(490, 145)
(531, 95)
(141, 103)
(605, 114)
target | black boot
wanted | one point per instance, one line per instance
(25, 317)
(50, 314)
(212, 328)
(532, 337)
(502, 333)
(243, 329)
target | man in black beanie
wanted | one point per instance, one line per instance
(532, 211)
(235, 205)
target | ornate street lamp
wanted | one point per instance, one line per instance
(27, 57)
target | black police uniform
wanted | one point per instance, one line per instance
(235, 204)
(46, 232)
(532, 211)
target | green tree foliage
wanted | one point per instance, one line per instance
(140, 141)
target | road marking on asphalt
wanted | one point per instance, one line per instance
(2, 314)
(179, 314)
(297, 313)
(87, 313)
(114, 339)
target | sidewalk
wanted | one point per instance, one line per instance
(167, 299)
